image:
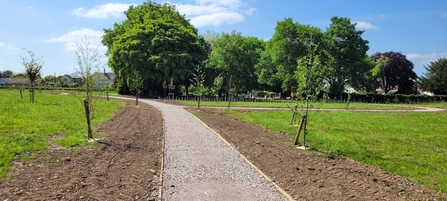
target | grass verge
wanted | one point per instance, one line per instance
(287, 104)
(26, 127)
(413, 145)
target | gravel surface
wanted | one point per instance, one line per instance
(199, 165)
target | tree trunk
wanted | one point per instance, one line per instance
(136, 99)
(107, 94)
(21, 96)
(87, 116)
(198, 103)
(32, 96)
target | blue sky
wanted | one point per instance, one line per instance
(417, 29)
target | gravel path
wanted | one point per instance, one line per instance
(199, 165)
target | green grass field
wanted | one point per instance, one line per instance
(292, 104)
(25, 126)
(413, 145)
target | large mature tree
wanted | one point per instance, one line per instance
(346, 50)
(234, 57)
(278, 62)
(364, 79)
(156, 41)
(396, 71)
(435, 79)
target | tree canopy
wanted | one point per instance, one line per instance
(395, 72)
(435, 79)
(6, 74)
(279, 61)
(234, 57)
(156, 41)
(346, 52)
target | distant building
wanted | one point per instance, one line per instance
(104, 79)
(67, 79)
(13, 82)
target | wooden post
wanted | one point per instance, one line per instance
(292, 122)
(87, 116)
(299, 129)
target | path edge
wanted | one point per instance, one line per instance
(239, 153)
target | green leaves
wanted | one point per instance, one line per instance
(198, 78)
(435, 79)
(135, 83)
(156, 41)
(278, 63)
(234, 55)
(345, 48)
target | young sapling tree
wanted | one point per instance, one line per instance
(89, 65)
(135, 83)
(32, 69)
(198, 78)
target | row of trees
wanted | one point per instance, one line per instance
(6, 74)
(163, 47)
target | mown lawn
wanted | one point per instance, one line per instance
(25, 126)
(293, 103)
(413, 145)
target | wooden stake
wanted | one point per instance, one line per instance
(87, 115)
(299, 129)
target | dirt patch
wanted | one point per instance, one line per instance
(308, 175)
(124, 165)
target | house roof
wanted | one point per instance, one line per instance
(105, 76)
(8, 80)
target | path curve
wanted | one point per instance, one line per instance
(199, 165)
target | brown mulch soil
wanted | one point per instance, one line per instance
(124, 165)
(309, 175)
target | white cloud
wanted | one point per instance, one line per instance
(217, 19)
(426, 57)
(72, 37)
(444, 15)
(10, 47)
(103, 11)
(215, 12)
(421, 60)
(1, 44)
(364, 25)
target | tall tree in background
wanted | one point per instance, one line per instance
(6, 74)
(435, 79)
(278, 62)
(156, 41)
(234, 56)
(365, 79)
(346, 50)
(395, 72)
(32, 69)
(89, 63)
